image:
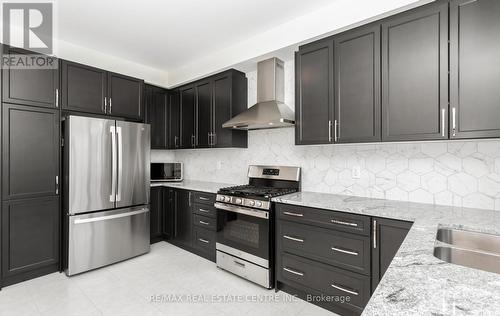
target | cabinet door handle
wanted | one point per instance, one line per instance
(204, 240)
(192, 140)
(343, 289)
(293, 214)
(454, 121)
(214, 139)
(203, 198)
(110, 105)
(203, 210)
(189, 198)
(105, 106)
(204, 223)
(329, 131)
(349, 252)
(336, 221)
(57, 98)
(57, 185)
(443, 113)
(335, 126)
(241, 264)
(293, 272)
(209, 139)
(176, 138)
(375, 234)
(293, 238)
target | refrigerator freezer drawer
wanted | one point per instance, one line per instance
(102, 238)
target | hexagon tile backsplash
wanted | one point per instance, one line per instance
(459, 173)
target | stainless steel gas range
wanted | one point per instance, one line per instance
(245, 239)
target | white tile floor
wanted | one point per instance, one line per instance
(127, 288)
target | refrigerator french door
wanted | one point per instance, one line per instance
(107, 172)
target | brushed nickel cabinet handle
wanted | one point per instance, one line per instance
(343, 289)
(203, 210)
(375, 234)
(57, 98)
(204, 198)
(293, 272)
(241, 264)
(329, 130)
(293, 214)
(293, 238)
(336, 221)
(110, 105)
(204, 223)
(443, 113)
(349, 252)
(204, 240)
(335, 126)
(454, 121)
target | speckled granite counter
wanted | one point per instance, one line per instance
(193, 185)
(416, 282)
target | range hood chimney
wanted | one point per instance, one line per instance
(270, 110)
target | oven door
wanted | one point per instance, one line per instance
(244, 233)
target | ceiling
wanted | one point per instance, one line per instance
(170, 34)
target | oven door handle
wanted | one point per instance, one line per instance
(242, 210)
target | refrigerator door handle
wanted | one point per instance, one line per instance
(112, 130)
(120, 164)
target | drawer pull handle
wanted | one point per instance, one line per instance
(354, 253)
(203, 198)
(293, 238)
(239, 263)
(293, 214)
(203, 210)
(344, 289)
(204, 223)
(294, 272)
(336, 221)
(204, 240)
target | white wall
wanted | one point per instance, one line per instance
(461, 173)
(92, 57)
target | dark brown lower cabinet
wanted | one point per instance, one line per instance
(156, 214)
(30, 238)
(336, 266)
(389, 235)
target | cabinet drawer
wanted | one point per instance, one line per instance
(344, 250)
(203, 197)
(205, 210)
(205, 222)
(346, 222)
(314, 277)
(204, 240)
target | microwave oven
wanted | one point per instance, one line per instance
(168, 171)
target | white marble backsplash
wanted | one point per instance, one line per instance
(459, 173)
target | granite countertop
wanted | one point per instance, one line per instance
(416, 282)
(203, 186)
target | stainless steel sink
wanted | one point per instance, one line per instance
(470, 249)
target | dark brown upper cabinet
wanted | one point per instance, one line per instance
(314, 92)
(415, 74)
(125, 96)
(357, 86)
(174, 120)
(156, 115)
(30, 149)
(474, 69)
(230, 93)
(204, 106)
(34, 87)
(93, 90)
(83, 88)
(204, 103)
(188, 115)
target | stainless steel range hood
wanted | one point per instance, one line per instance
(270, 110)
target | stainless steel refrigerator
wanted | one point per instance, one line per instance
(107, 182)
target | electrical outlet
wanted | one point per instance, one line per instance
(356, 172)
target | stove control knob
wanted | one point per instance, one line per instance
(238, 201)
(227, 199)
(251, 202)
(258, 203)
